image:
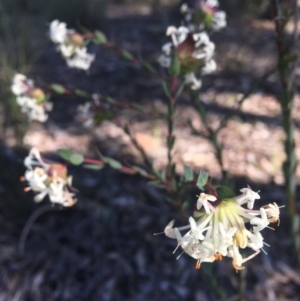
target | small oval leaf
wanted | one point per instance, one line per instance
(76, 159)
(65, 153)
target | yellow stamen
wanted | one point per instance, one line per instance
(197, 266)
(26, 189)
(22, 178)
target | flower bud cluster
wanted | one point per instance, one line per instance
(218, 228)
(48, 179)
(205, 15)
(71, 44)
(32, 100)
(190, 44)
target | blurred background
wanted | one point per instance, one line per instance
(103, 248)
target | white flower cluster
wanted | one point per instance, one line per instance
(72, 45)
(48, 179)
(31, 99)
(205, 16)
(220, 230)
(193, 50)
(86, 112)
(191, 44)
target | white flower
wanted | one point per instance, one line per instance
(81, 59)
(178, 35)
(21, 84)
(212, 3)
(219, 20)
(36, 178)
(48, 179)
(238, 260)
(31, 99)
(255, 240)
(66, 50)
(210, 10)
(209, 67)
(248, 196)
(273, 212)
(204, 48)
(190, 79)
(58, 31)
(203, 201)
(260, 223)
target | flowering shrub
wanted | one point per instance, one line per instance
(221, 225)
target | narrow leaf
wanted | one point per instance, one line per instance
(100, 38)
(202, 179)
(140, 171)
(92, 166)
(58, 88)
(114, 164)
(188, 174)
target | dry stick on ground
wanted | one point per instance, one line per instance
(286, 70)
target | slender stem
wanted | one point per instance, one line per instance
(138, 147)
(171, 126)
(36, 214)
(287, 81)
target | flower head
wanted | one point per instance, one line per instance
(194, 52)
(58, 31)
(219, 229)
(80, 59)
(205, 15)
(71, 44)
(31, 99)
(48, 179)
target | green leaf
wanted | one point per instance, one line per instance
(110, 100)
(175, 66)
(58, 89)
(81, 93)
(202, 179)
(113, 163)
(100, 38)
(76, 159)
(188, 174)
(127, 55)
(140, 171)
(148, 67)
(92, 166)
(156, 172)
(156, 184)
(166, 90)
(65, 153)
(225, 192)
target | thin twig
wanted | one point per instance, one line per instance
(35, 215)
